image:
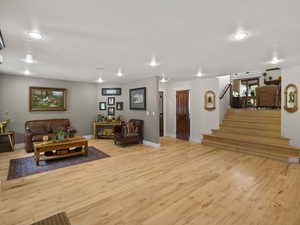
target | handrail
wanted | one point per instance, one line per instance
(227, 87)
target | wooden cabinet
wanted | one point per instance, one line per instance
(104, 129)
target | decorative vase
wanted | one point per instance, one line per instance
(60, 137)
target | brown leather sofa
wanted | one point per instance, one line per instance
(129, 133)
(36, 129)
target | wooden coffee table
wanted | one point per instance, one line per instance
(42, 147)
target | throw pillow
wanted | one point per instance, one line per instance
(38, 129)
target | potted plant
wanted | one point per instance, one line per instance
(71, 132)
(60, 135)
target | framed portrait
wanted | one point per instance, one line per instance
(111, 101)
(111, 111)
(291, 98)
(102, 105)
(210, 100)
(137, 99)
(47, 99)
(119, 106)
(111, 91)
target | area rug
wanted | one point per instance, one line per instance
(26, 166)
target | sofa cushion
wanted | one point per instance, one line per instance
(38, 129)
(56, 127)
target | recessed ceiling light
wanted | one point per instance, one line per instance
(240, 35)
(29, 59)
(100, 80)
(26, 72)
(163, 79)
(153, 62)
(275, 60)
(35, 35)
(119, 73)
(199, 74)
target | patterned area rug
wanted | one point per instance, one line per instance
(26, 166)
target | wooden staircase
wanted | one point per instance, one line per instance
(255, 132)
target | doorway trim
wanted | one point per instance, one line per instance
(189, 111)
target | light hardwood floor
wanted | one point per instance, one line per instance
(180, 183)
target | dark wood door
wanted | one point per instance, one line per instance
(182, 115)
(161, 113)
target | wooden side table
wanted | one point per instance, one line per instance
(11, 138)
(105, 129)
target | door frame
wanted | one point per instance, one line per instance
(189, 105)
(162, 93)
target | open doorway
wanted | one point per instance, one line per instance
(182, 115)
(161, 113)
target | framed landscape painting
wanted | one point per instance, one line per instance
(47, 99)
(137, 98)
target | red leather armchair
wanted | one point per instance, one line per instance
(129, 133)
(36, 129)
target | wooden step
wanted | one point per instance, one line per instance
(253, 139)
(252, 125)
(251, 132)
(253, 118)
(254, 112)
(250, 143)
(255, 134)
(285, 157)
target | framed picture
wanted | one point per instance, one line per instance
(111, 101)
(119, 106)
(291, 98)
(210, 100)
(111, 91)
(137, 98)
(111, 111)
(102, 105)
(47, 99)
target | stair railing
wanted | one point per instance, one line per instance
(227, 87)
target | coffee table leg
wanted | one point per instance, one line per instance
(11, 142)
(86, 149)
(37, 158)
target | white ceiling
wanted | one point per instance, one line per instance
(183, 35)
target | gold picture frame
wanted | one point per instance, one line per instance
(47, 99)
(291, 98)
(210, 100)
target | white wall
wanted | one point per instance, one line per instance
(290, 122)
(150, 116)
(14, 99)
(201, 120)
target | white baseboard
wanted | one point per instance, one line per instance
(293, 160)
(89, 136)
(150, 143)
(171, 135)
(197, 140)
(20, 145)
